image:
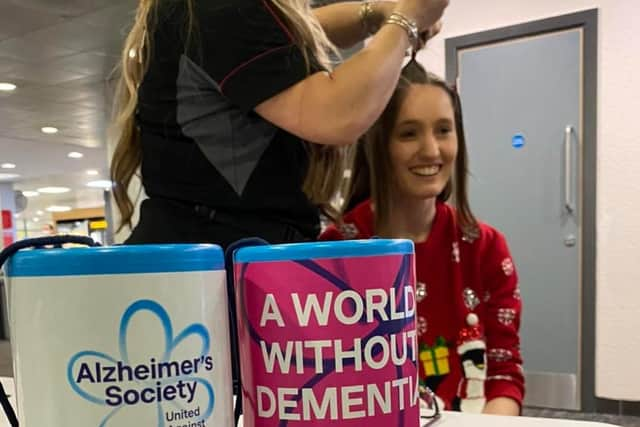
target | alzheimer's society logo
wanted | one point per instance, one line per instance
(168, 387)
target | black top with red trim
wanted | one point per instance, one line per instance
(202, 142)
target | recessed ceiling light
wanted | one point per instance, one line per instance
(8, 176)
(36, 219)
(92, 172)
(8, 166)
(55, 208)
(40, 213)
(50, 130)
(102, 183)
(16, 216)
(54, 190)
(7, 87)
(75, 155)
(30, 193)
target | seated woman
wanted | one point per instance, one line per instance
(468, 298)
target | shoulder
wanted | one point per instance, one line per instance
(491, 248)
(485, 234)
(249, 10)
(482, 241)
(489, 235)
(355, 224)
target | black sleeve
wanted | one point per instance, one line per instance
(247, 49)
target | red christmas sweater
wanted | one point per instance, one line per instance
(468, 309)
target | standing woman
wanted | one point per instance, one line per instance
(236, 118)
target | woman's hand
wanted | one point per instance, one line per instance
(425, 36)
(426, 13)
(502, 406)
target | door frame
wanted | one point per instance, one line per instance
(587, 21)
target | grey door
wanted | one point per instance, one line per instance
(522, 109)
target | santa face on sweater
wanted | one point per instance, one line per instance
(423, 144)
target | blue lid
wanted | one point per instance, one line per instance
(338, 249)
(115, 260)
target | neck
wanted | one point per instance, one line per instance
(409, 219)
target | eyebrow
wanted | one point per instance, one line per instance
(409, 122)
(447, 120)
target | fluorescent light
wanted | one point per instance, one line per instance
(75, 155)
(54, 190)
(30, 193)
(55, 208)
(92, 172)
(102, 183)
(39, 213)
(8, 166)
(8, 176)
(50, 130)
(7, 87)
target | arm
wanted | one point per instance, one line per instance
(337, 108)
(505, 381)
(343, 24)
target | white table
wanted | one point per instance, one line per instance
(457, 419)
(448, 419)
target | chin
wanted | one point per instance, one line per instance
(425, 195)
(428, 192)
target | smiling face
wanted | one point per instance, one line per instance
(416, 150)
(423, 143)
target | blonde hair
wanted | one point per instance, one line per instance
(326, 164)
(307, 30)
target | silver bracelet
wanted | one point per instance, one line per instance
(408, 25)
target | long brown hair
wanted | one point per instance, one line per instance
(373, 155)
(326, 164)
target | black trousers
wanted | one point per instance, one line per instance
(169, 221)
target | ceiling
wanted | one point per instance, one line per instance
(61, 55)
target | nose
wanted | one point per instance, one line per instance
(429, 147)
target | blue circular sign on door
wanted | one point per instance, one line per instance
(518, 141)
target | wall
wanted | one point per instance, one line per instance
(618, 226)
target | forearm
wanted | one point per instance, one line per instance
(362, 85)
(502, 406)
(337, 108)
(343, 21)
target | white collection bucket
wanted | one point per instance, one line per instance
(121, 336)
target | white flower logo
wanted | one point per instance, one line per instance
(120, 386)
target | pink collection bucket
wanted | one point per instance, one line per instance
(327, 334)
